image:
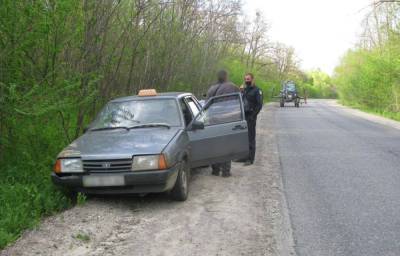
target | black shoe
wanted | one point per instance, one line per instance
(248, 162)
(226, 174)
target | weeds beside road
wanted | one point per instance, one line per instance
(25, 197)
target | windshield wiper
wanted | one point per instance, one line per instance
(150, 125)
(110, 128)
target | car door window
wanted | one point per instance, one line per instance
(187, 115)
(219, 110)
(193, 106)
(196, 101)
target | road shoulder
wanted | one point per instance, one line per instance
(367, 116)
(282, 224)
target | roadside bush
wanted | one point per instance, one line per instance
(26, 194)
(370, 79)
(319, 85)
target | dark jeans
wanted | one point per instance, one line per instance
(251, 124)
(222, 167)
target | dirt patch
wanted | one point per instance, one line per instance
(241, 215)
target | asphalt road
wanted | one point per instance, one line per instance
(341, 177)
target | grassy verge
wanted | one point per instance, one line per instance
(26, 195)
(388, 114)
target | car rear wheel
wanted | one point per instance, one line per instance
(181, 189)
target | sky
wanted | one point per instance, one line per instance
(321, 31)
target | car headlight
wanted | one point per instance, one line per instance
(68, 165)
(149, 162)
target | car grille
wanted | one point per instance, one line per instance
(116, 165)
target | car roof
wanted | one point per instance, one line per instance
(163, 95)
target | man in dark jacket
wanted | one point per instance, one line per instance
(222, 87)
(253, 101)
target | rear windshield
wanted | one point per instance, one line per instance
(135, 112)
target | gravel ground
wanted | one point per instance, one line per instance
(241, 215)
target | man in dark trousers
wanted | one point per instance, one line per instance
(253, 102)
(222, 87)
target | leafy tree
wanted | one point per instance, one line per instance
(369, 76)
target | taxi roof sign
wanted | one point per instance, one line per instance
(147, 92)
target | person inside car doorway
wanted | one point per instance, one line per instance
(222, 87)
(253, 102)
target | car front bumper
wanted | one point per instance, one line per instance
(134, 182)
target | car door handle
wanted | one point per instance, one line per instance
(239, 127)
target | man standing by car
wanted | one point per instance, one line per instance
(253, 101)
(222, 87)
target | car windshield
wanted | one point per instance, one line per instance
(138, 112)
(291, 87)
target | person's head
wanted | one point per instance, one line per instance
(222, 76)
(249, 79)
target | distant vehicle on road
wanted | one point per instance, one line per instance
(289, 93)
(148, 144)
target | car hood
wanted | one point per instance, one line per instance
(115, 144)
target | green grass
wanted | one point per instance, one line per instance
(26, 195)
(81, 199)
(388, 114)
(83, 237)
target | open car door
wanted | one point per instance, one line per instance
(219, 132)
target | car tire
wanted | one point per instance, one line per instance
(180, 191)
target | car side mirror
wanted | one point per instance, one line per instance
(197, 125)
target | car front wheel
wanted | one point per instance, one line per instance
(181, 189)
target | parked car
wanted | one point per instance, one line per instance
(150, 142)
